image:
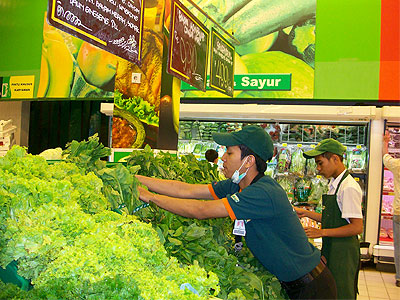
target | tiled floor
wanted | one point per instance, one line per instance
(375, 285)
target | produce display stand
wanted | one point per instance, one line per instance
(10, 275)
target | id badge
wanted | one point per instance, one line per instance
(239, 228)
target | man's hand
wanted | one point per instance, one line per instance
(385, 146)
(145, 195)
(301, 212)
(313, 233)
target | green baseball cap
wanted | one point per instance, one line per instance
(327, 145)
(252, 136)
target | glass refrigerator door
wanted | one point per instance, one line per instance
(386, 223)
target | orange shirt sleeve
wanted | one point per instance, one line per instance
(210, 188)
(224, 201)
(229, 208)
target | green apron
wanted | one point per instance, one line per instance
(342, 253)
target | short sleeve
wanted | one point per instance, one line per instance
(258, 202)
(351, 201)
(220, 189)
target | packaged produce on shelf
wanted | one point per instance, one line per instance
(302, 188)
(298, 162)
(311, 167)
(287, 183)
(274, 131)
(307, 222)
(284, 157)
(319, 186)
(185, 130)
(356, 159)
(271, 167)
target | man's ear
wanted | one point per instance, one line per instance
(336, 158)
(251, 160)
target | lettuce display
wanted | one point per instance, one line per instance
(57, 225)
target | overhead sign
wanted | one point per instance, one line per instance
(188, 47)
(255, 82)
(113, 25)
(222, 64)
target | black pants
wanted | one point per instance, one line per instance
(322, 287)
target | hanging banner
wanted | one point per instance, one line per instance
(17, 87)
(188, 47)
(113, 25)
(222, 64)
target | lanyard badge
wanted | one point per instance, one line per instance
(239, 228)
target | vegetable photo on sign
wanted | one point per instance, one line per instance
(137, 94)
(71, 68)
(270, 37)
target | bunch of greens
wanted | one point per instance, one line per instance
(87, 154)
(208, 242)
(140, 108)
(57, 226)
(119, 186)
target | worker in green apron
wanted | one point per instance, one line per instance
(341, 218)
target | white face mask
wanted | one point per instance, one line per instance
(236, 178)
(220, 164)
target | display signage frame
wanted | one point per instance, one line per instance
(222, 64)
(188, 47)
(113, 25)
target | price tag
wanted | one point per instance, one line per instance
(312, 146)
(117, 28)
(284, 145)
(188, 47)
(222, 60)
(299, 145)
(357, 179)
(358, 146)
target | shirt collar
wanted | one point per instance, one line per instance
(334, 182)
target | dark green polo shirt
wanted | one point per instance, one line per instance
(273, 230)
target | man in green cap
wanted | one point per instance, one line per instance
(260, 209)
(341, 218)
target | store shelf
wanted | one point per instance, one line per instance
(383, 250)
(256, 112)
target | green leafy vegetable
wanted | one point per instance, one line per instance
(142, 109)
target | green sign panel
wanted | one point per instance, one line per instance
(222, 64)
(254, 82)
(5, 87)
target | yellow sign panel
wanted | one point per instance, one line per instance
(21, 87)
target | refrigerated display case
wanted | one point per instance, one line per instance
(385, 259)
(297, 130)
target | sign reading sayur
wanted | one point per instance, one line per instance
(256, 82)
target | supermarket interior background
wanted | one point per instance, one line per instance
(129, 79)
